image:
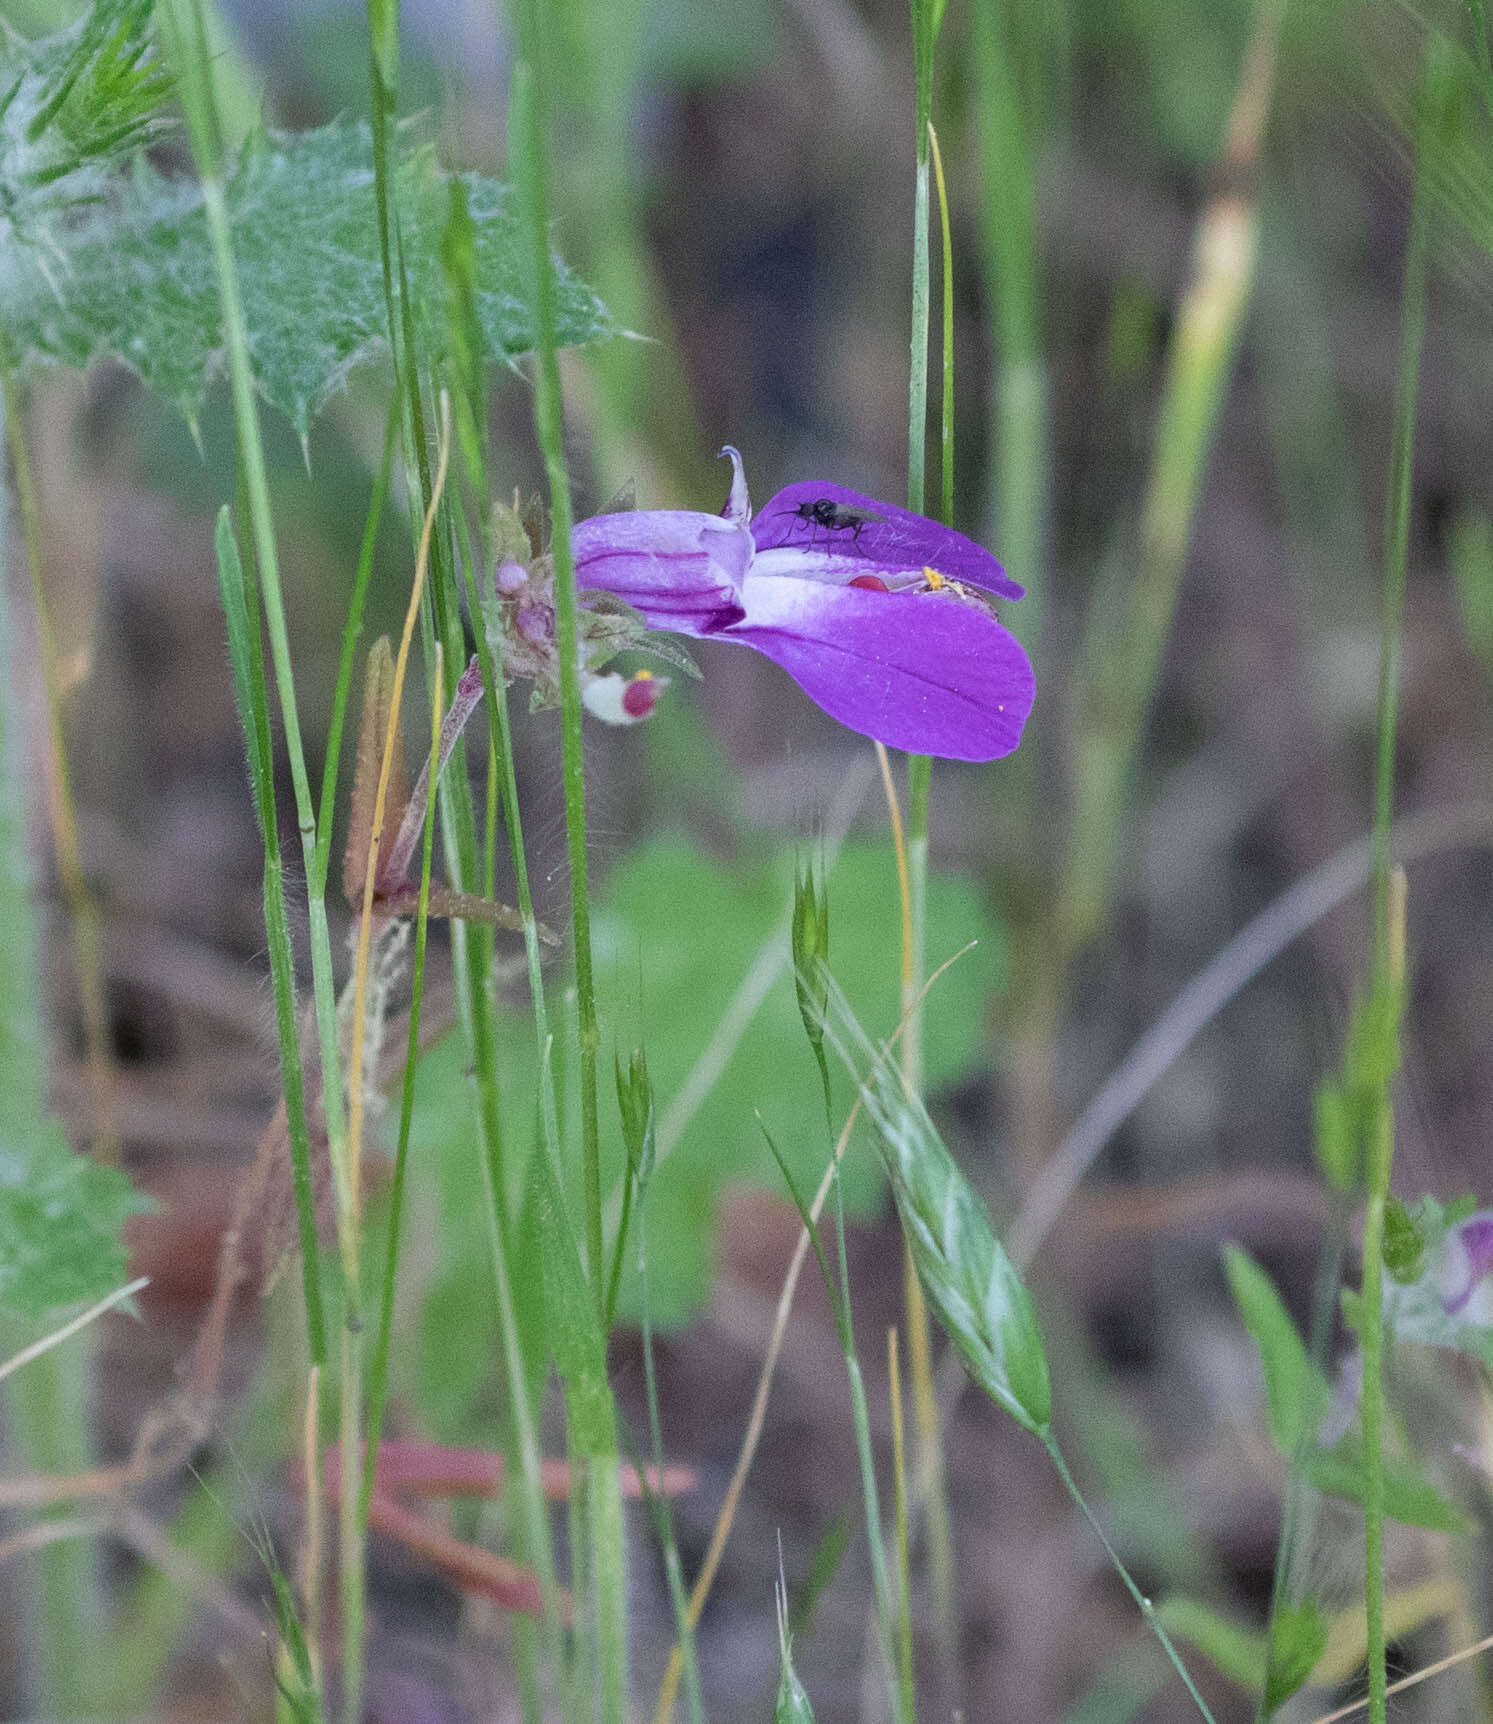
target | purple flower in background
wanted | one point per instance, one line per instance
(1469, 1257)
(883, 617)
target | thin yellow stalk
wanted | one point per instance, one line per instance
(899, 850)
(904, 1573)
(313, 1549)
(926, 1420)
(82, 912)
(370, 872)
(725, 1520)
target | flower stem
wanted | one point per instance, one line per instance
(914, 865)
(548, 423)
(1389, 901)
(904, 1572)
(604, 1519)
(1146, 1607)
(899, 1690)
(663, 1516)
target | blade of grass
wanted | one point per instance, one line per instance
(353, 1521)
(529, 144)
(912, 885)
(528, 109)
(246, 660)
(351, 632)
(658, 1502)
(313, 1549)
(470, 948)
(904, 1570)
(378, 1374)
(1019, 413)
(982, 1303)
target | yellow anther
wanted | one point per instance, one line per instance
(642, 676)
(933, 578)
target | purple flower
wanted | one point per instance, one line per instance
(1469, 1257)
(881, 616)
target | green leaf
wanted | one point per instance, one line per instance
(1298, 1638)
(134, 279)
(1470, 558)
(1408, 1498)
(1404, 1244)
(1237, 1651)
(59, 1229)
(72, 105)
(824, 1565)
(1295, 1394)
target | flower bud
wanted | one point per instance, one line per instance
(618, 699)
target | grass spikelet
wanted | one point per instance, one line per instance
(793, 1701)
(970, 1282)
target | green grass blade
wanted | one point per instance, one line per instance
(253, 708)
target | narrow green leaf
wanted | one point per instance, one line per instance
(572, 1329)
(1336, 1142)
(248, 689)
(1408, 1498)
(824, 1565)
(1470, 558)
(1237, 1651)
(1295, 1393)
(1298, 1638)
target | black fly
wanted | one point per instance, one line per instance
(837, 517)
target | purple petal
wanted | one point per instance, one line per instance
(738, 505)
(929, 673)
(1475, 1236)
(877, 538)
(682, 569)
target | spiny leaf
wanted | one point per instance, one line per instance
(59, 1228)
(71, 106)
(134, 280)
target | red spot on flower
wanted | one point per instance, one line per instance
(870, 583)
(640, 695)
